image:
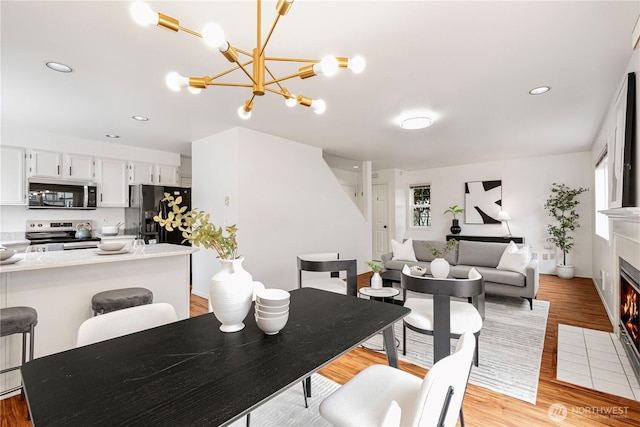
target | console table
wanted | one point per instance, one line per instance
(498, 239)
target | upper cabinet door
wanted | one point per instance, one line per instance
(112, 179)
(78, 167)
(46, 164)
(141, 173)
(12, 176)
(167, 175)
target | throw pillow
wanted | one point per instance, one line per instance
(515, 259)
(403, 251)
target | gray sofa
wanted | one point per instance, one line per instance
(484, 256)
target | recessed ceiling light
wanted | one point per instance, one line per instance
(539, 90)
(416, 122)
(57, 66)
(140, 118)
(356, 167)
(111, 135)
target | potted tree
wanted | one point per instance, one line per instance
(561, 204)
(454, 210)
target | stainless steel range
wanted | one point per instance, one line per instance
(60, 234)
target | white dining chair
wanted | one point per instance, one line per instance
(125, 321)
(382, 395)
(313, 269)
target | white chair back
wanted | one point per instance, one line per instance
(125, 321)
(445, 384)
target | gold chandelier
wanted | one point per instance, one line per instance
(214, 36)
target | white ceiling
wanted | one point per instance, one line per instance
(470, 64)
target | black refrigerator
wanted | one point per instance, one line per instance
(145, 202)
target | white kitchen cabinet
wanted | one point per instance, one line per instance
(78, 167)
(112, 179)
(141, 173)
(167, 174)
(12, 176)
(46, 164)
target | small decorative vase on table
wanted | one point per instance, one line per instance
(376, 281)
(439, 268)
(230, 294)
(455, 227)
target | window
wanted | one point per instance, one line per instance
(602, 196)
(420, 201)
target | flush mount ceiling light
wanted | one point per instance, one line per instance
(416, 122)
(539, 90)
(57, 66)
(140, 118)
(111, 135)
(261, 79)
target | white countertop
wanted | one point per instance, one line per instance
(69, 258)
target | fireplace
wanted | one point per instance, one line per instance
(629, 316)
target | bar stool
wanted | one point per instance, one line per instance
(117, 299)
(18, 320)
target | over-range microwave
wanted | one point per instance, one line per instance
(62, 195)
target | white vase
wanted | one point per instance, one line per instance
(376, 281)
(439, 268)
(230, 294)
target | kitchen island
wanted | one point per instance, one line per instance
(60, 286)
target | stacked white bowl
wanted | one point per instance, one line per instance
(272, 310)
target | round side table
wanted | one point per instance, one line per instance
(379, 295)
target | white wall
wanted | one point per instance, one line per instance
(603, 251)
(525, 188)
(284, 199)
(13, 218)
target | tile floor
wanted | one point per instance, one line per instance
(596, 360)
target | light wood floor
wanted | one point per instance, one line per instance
(573, 302)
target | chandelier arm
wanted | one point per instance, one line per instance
(277, 92)
(229, 70)
(187, 30)
(212, 83)
(246, 72)
(308, 61)
(275, 80)
(273, 27)
(290, 76)
(244, 52)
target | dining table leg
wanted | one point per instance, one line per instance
(389, 337)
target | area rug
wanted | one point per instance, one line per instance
(511, 345)
(287, 409)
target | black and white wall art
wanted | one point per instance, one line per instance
(483, 201)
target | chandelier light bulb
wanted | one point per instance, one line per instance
(357, 64)
(292, 101)
(214, 36)
(194, 90)
(328, 66)
(142, 14)
(243, 113)
(319, 106)
(175, 81)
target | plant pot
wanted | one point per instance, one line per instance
(231, 294)
(376, 281)
(564, 271)
(439, 268)
(455, 227)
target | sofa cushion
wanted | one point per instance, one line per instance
(422, 250)
(515, 259)
(403, 251)
(480, 254)
(503, 277)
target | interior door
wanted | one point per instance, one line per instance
(380, 221)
